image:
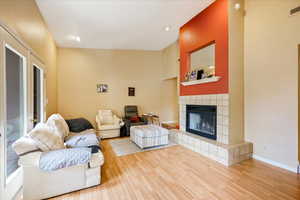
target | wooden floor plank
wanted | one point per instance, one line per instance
(178, 173)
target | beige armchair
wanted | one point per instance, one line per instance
(108, 124)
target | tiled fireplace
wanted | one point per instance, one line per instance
(217, 148)
(221, 101)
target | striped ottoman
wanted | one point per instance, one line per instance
(149, 135)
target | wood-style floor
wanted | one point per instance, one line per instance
(178, 173)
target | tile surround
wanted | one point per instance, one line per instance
(218, 150)
(222, 153)
(219, 100)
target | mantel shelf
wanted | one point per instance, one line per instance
(201, 81)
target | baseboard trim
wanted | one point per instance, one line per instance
(274, 163)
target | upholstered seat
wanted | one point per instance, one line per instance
(39, 183)
(108, 124)
(132, 111)
(149, 136)
(65, 180)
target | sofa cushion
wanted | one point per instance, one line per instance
(25, 145)
(46, 139)
(63, 158)
(59, 125)
(79, 125)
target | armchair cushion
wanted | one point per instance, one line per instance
(107, 120)
(106, 117)
(108, 127)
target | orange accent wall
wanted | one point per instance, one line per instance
(211, 25)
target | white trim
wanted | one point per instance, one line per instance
(274, 163)
(201, 81)
(43, 91)
(11, 184)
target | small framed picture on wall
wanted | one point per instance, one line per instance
(102, 88)
(131, 91)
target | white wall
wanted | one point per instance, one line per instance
(271, 80)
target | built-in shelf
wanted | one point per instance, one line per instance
(201, 81)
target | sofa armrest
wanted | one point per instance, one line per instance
(30, 159)
(98, 122)
(118, 121)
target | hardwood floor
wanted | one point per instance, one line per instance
(178, 173)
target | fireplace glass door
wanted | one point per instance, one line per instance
(202, 120)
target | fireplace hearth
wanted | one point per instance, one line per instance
(202, 120)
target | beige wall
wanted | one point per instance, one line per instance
(24, 17)
(169, 100)
(79, 70)
(170, 84)
(271, 79)
(236, 72)
(170, 61)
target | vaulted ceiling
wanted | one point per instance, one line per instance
(118, 24)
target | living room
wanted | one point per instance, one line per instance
(173, 99)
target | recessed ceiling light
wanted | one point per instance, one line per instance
(74, 37)
(167, 28)
(237, 6)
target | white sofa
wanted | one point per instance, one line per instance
(108, 124)
(40, 184)
(51, 137)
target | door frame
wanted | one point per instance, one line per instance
(12, 184)
(35, 62)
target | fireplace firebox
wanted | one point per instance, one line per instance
(202, 120)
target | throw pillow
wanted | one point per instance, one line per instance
(134, 119)
(79, 125)
(24, 145)
(46, 139)
(59, 125)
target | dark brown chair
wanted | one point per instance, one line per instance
(130, 112)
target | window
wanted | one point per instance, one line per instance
(15, 106)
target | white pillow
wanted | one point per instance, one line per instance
(24, 145)
(59, 125)
(45, 138)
